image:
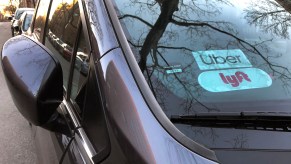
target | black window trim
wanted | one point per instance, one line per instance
(84, 144)
(46, 22)
(73, 59)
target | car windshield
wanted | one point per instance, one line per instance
(19, 12)
(27, 21)
(212, 55)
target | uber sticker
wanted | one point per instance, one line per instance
(234, 79)
(221, 59)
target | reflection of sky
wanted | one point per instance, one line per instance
(228, 13)
(170, 88)
(203, 38)
(55, 6)
(232, 20)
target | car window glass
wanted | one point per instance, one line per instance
(81, 67)
(18, 14)
(190, 64)
(62, 32)
(27, 21)
(210, 57)
(40, 18)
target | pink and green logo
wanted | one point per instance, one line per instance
(234, 79)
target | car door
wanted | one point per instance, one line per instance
(59, 27)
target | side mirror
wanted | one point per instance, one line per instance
(34, 79)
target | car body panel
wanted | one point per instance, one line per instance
(100, 27)
(137, 121)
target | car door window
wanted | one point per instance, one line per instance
(40, 18)
(81, 66)
(62, 32)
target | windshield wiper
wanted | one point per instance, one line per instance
(272, 121)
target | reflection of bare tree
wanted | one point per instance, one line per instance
(159, 32)
(277, 69)
(64, 21)
(158, 29)
(94, 18)
(177, 15)
(210, 133)
(236, 140)
(270, 16)
(151, 46)
(239, 141)
(35, 53)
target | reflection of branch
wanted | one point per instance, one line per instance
(176, 77)
(240, 141)
(151, 44)
(185, 87)
(136, 17)
(270, 16)
(241, 41)
(176, 48)
(153, 37)
(164, 47)
(262, 15)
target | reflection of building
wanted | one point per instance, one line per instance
(2, 12)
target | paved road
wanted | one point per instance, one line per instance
(16, 144)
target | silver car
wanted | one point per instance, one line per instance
(17, 15)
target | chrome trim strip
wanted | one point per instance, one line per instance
(81, 138)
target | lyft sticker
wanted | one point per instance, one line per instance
(220, 59)
(234, 79)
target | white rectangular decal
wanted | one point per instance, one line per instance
(221, 59)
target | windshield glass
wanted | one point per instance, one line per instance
(18, 14)
(212, 55)
(27, 21)
(20, 11)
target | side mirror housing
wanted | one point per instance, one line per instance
(34, 79)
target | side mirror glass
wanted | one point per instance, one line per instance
(34, 79)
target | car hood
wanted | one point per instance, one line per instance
(253, 156)
(241, 145)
